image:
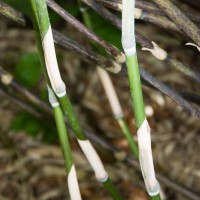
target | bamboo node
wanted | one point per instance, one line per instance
(157, 52)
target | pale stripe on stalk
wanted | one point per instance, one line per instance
(52, 65)
(73, 185)
(146, 160)
(111, 94)
(94, 160)
(128, 27)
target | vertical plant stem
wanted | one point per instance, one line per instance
(65, 146)
(136, 89)
(62, 132)
(40, 26)
(143, 129)
(44, 27)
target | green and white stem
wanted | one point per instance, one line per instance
(116, 108)
(44, 27)
(143, 129)
(59, 118)
(66, 151)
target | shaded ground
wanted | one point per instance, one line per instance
(32, 170)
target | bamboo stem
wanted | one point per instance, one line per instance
(143, 130)
(65, 146)
(42, 28)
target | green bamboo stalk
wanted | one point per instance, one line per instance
(143, 130)
(60, 123)
(136, 89)
(44, 27)
(62, 132)
(65, 146)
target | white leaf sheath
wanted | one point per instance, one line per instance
(73, 185)
(52, 65)
(94, 160)
(128, 27)
(146, 160)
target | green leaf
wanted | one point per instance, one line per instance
(28, 69)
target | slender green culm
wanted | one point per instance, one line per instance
(143, 129)
(62, 133)
(65, 146)
(58, 86)
(41, 27)
(156, 197)
(136, 89)
(69, 112)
